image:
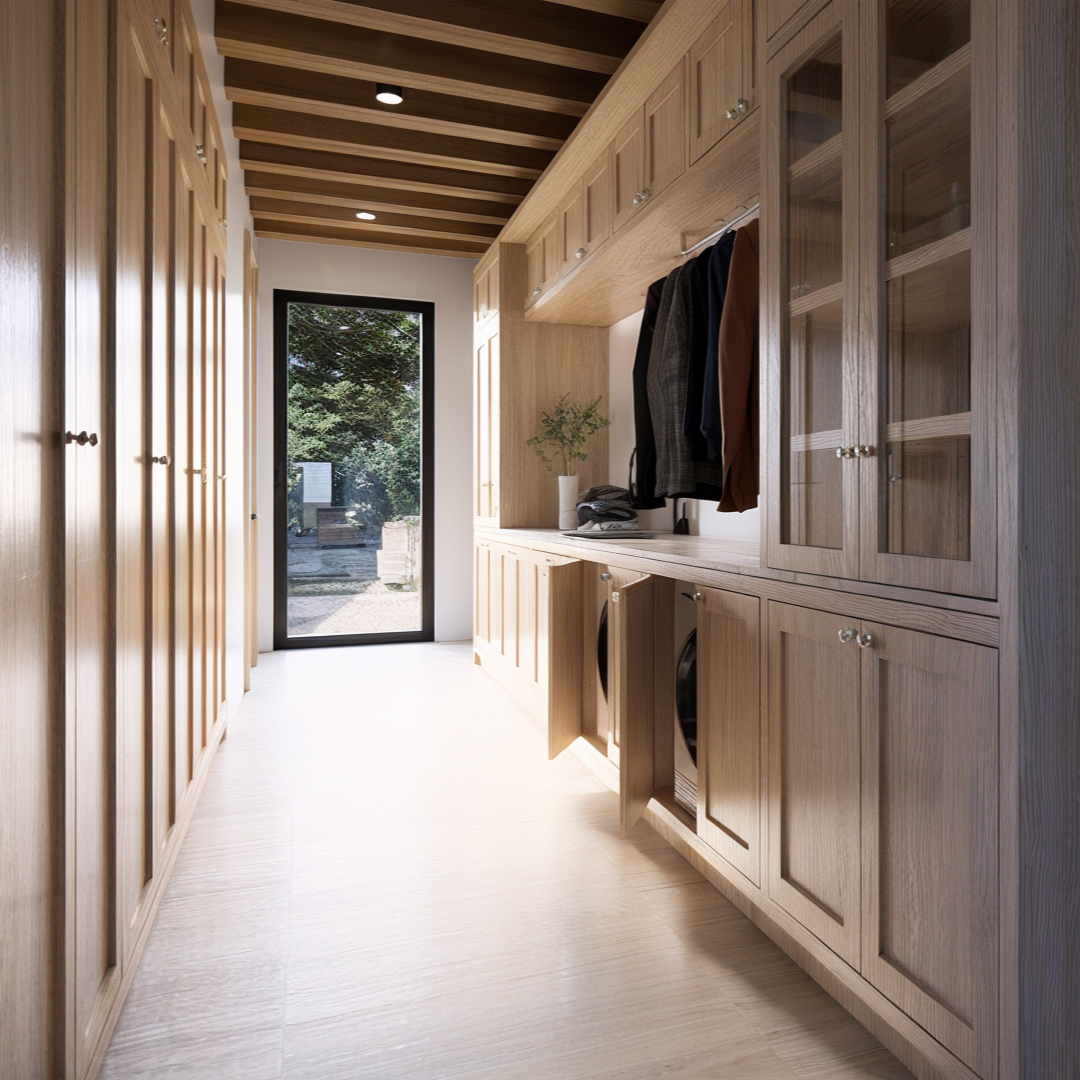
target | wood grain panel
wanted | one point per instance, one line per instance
(253, 34)
(814, 841)
(560, 648)
(666, 131)
(285, 230)
(591, 43)
(642, 10)
(422, 110)
(287, 210)
(284, 128)
(628, 170)
(721, 67)
(362, 197)
(729, 728)
(356, 168)
(633, 648)
(930, 839)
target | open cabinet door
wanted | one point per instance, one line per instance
(633, 609)
(560, 648)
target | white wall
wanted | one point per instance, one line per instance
(239, 221)
(286, 264)
(702, 515)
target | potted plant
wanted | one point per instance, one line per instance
(563, 434)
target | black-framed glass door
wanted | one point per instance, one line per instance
(353, 469)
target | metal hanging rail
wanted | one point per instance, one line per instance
(734, 223)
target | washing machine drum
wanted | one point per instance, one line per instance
(686, 693)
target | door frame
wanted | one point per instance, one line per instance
(426, 310)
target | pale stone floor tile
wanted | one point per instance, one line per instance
(385, 880)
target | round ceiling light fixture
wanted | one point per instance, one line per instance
(366, 215)
(388, 95)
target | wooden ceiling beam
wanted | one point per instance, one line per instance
(318, 234)
(640, 10)
(354, 52)
(508, 31)
(345, 218)
(360, 197)
(284, 128)
(351, 168)
(354, 99)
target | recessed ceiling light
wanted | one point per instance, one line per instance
(388, 95)
(366, 215)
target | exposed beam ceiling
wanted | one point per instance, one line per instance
(492, 90)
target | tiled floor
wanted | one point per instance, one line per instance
(386, 880)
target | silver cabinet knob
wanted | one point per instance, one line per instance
(222, 476)
(699, 596)
(864, 451)
(162, 28)
(738, 109)
(845, 451)
(641, 196)
(580, 253)
(865, 640)
(847, 634)
(83, 439)
(605, 576)
(163, 460)
(538, 290)
(483, 314)
(200, 153)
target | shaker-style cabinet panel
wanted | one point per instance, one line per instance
(543, 259)
(879, 337)
(628, 170)
(598, 198)
(814, 774)
(486, 292)
(666, 134)
(486, 428)
(930, 835)
(571, 230)
(729, 727)
(721, 76)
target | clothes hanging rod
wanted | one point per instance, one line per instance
(725, 228)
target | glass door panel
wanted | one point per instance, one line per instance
(814, 494)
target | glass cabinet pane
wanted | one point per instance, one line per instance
(812, 409)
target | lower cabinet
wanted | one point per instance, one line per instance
(883, 812)
(729, 727)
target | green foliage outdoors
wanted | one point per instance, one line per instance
(354, 400)
(565, 431)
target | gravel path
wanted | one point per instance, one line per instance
(376, 611)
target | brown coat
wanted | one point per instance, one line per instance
(739, 375)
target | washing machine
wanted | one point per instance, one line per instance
(684, 706)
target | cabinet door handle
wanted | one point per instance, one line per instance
(865, 640)
(605, 576)
(82, 438)
(162, 28)
(200, 153)
(538, 290)
(864, 451)
(641, 196)
(580, 253)
(847, 634)
(845, 451)
(163, 460)
(737, 109)
(698, 597)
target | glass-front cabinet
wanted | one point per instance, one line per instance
(879, 336)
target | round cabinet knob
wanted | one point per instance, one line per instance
(538, 290)
(737, 109)
(162, 28)
(699, 596)
(605, 576)
(845, 451)
(83, 439)
(865, 640)
(580, 253)
(864, 451)
(641, 196)
(163, 460)
(847, 634)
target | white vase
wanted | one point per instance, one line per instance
(568, 493)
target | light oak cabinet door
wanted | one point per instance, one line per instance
(486, 293)
(486, 429)
(721, 76)
(543, 259)
(666, 132)
(633, 667)
(729, 727)
(598, 196)
(559, 585)
(571, 239)
(512, 606)
(628, 170)
(483, 565)
(813, 708)
(930, 836)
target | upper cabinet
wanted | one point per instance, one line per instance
(628, 170)
(666, 132)
(878, 334)
(721, 76)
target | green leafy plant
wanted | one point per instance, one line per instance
(565, 430)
